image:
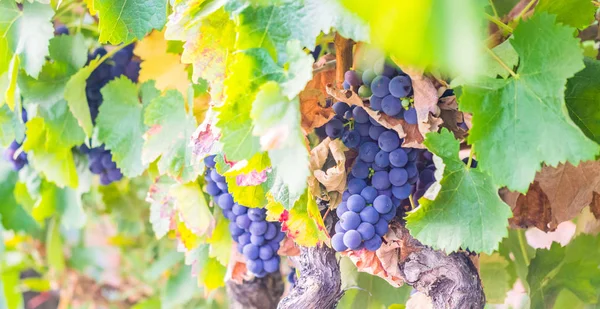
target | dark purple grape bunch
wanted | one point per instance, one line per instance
(61, 30)
(122, 63)
(101, 163)
(257, 239)
(381, 180)
(388, 89)
(16, 160)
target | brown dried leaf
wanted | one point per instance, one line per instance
(334, 178)
(236, 270)
(557, 194)
(426, 100)
(288, 248)
(313, 98)
(410, 132)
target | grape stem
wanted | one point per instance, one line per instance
(493, 8)
(512, 73)
(471, 157)
(412, 202)
(498, 23)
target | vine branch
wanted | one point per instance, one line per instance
(491, 52)
(260, 293)
(499, 23)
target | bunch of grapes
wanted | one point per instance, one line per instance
(258, 240)
(388, 89)
(121, 63)
(16, 160)
(382, 178)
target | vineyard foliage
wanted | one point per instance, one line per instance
(108, 109)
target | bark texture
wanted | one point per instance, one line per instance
(319, 284)
(260, 293)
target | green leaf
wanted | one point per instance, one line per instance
(467, 212)
(494, 277)
(163, 265)
(168, 137)
(54, 247)
(507, 54)
(13, 216)
(575, 13)
(121, 125)
(277, 118)
(437, 37)
(509, 116)
(574, 267)
(69, 54)
(122, 21)
(55, 163)
(271, 27)
(373, 292)
(62, 130)
(220, 241)
(75, 96)
(19, 38)
(583, 99)
(515, 249)
(11, 126)
(9, 281)
(192, 206)
(180, 289)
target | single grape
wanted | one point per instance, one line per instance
(351, 139)
(350, 220)
(216, 177)
(381, 227)
(382, 159)
(375, 102)
(391, 105)
(346, 85)
(258, 228)
(209, 161)
(341, 209)
(374, 243)
(334, 128)
(367, 77)
(225, 201)
(369, 214)
(257, 240)
(271, 265)
(400, 86)
(410, 115)
(360, 115)
(250, 251)
(339, 228)
(369, 194)
(352, 239)
(366, 230)
(411, 169)
(255, 265)
(272, 230)
(352, 78)
(211, 188)
(337, 242)
(345, 196)
(355, 203)
(398, 158)
(362, 128)
(222, 186)
(392, 213)
(348, 115)
(340, 108)
(239, 209)
(427, 176)
(266, 252)
(388, 141)
(244, 239)
(257, 214)
(235, 230)
(360, 170)
(382, 67)
(398, 176)
(380, 86)
(243, 221)
(367, 151)
(364, 91)
(356, 185)
(380, 180)
(402, 192)
(375, 131)
(383, 204)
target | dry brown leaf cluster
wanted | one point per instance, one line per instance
(313, 97)
(328, 184)
(557, 194)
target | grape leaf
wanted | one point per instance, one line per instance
(209, 271)
(13, 216)
(54, 247)
(18, 38)
(529, 109)
(249, 196)
(62, 128)
(165, 68)
(121, 125)
(76, 97)
(122, 21)
(258, 163)
(303, 223)
(574, 267)
(11, 127)
(162, 210)
(373, 292)
(192, 207)
(436, 33)
(467, 212)
(515, 249)
(494, 276)
(168, 136)
(575, 13)
(55, 163)
(69, 54)
(583, 98)
(277, 120)
(220, 242)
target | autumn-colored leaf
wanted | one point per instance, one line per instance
(409, 132)
(313, 97)
(557, 194)
(165, 68)
(426, 100)
(204, 139)
(236, 269)
(288, 248)
(332, 178)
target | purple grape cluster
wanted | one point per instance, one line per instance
(388, 88)
(101, 163)
(381, 180)
(258, 240)
(17, 161)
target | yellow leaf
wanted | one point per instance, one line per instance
(220, 242)
(90, 6)
(303, 223)
(212, 276)
(165, 68)
(189, 240)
